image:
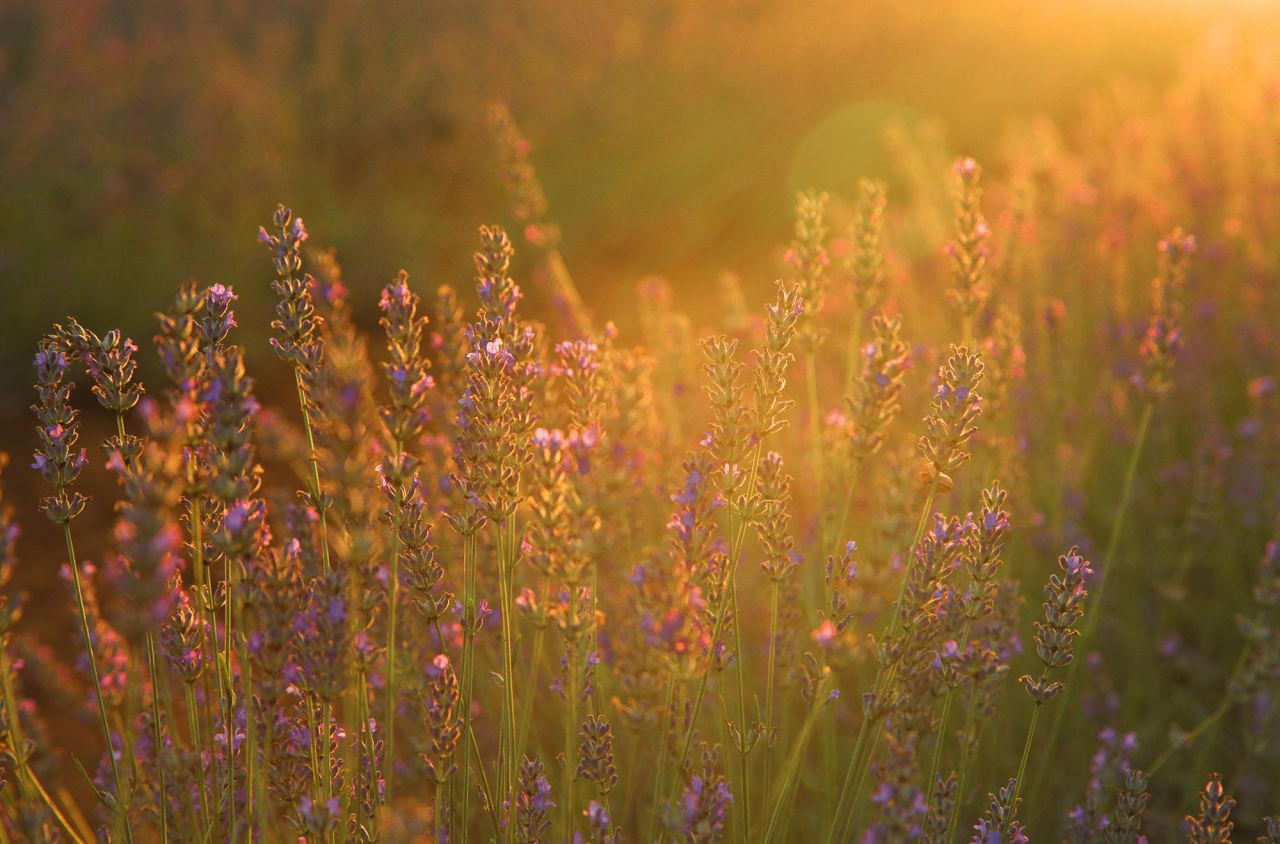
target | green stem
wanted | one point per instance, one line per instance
(660, 768)
(855, 350)
(313, 459)
(311, 747)
(468, 669)
(835, 831)
(155, 724)
(97, 682)
(966, 750)
(769, 684)
(327, 738)
(563, 280)
(393, 600)
(193, 725)
(946, 713)
(848, 501)
(1026, 751)
(571, 723)
(228, 724)
(792, 768)
(438, 817)
(507, 777)
(850, 792)
(362, 709)
(736, 537)
(855, 809)
(27, 779)
(815, 423)
(535, 662)
(1126, 495)
(1209, 720)
(48, 801)
(1093, 608)
(252, 806)
(204, 604)
(744, 730)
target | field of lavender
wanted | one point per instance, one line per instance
(824, 566)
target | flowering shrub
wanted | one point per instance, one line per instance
(483, 577)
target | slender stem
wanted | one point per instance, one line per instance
(1093, 608)
(535, 662)
(393, 600)
(855, 808)
(792, 767)
(48, 801)
(855, 349)
(815, 422)
(850, 776)
(571, 723)
(506, 566)
(73, 812)
(97, 682)
(485, 791)
(850, 377)
(966, 750)
(769, 683)
(362, 709)
(327, 738)
(155, 724)
(311, 746)
(26, 777)
(193, 725)
(468, 669)
(744, 729)
(661, 768)
(437, 821)
(850, 488)
(228, 724)
(1094, 612)
(313, 459)
(946, 713)
(736, 539)
(204, 604)
(1209, 720)
(569, 290)
(1026, 751)
(252, 805)
(850, 792)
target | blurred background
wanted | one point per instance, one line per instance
(144, 142)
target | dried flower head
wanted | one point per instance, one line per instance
(1056, 635)
(874, 402)
(969, 249)
(296, 324)
(1163, 340)
(1213, 824)
(57, 458)
(955, 407)
(110, 362)
(808, 259)
(533, 803)
(999, 824)
(865, 263)
(184, 636)
(595, 754)
(444, 722)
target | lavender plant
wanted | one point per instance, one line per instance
(536, 588)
